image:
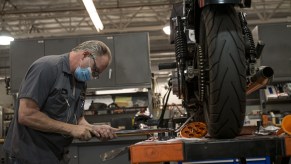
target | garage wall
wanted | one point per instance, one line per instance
(5, 100)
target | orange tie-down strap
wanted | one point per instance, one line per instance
(156, 151)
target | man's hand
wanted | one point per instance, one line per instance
(82, 132)
(104, 132)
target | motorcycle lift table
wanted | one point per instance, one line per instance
(276, 148)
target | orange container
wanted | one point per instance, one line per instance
(286, 124)
(156, 151)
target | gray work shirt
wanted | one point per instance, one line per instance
(49, 83)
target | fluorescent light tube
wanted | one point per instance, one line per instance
(90, 7)
(128, 90)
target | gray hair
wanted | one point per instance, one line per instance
(95, 47)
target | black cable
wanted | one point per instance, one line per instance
(161, 119)
(165, 96)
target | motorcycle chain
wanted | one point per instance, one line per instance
(202, 79)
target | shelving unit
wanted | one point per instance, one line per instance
(280, 104)
(119, 115)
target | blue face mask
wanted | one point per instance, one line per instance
(83, 74)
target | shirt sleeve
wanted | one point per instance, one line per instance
(38, 82)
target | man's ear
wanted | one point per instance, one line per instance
(85, 54)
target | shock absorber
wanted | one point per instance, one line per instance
(250, 48)
(181, 52)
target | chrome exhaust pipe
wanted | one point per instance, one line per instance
(260, 79)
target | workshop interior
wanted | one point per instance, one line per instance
(190, 81)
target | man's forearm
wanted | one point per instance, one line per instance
(40, 121)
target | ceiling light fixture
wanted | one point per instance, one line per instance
(90, 7)
(5, 37)
(167, 29)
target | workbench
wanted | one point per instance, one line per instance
(242, 147)
(88, 152)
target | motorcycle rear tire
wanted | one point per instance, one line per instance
(224, 52)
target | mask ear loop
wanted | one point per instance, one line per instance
(89, 62)
(80, 63)
(90, 68)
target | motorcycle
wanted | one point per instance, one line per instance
(216, 63)
(215, 69)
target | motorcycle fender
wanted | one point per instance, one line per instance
(203, 3)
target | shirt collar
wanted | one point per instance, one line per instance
(66, 63)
